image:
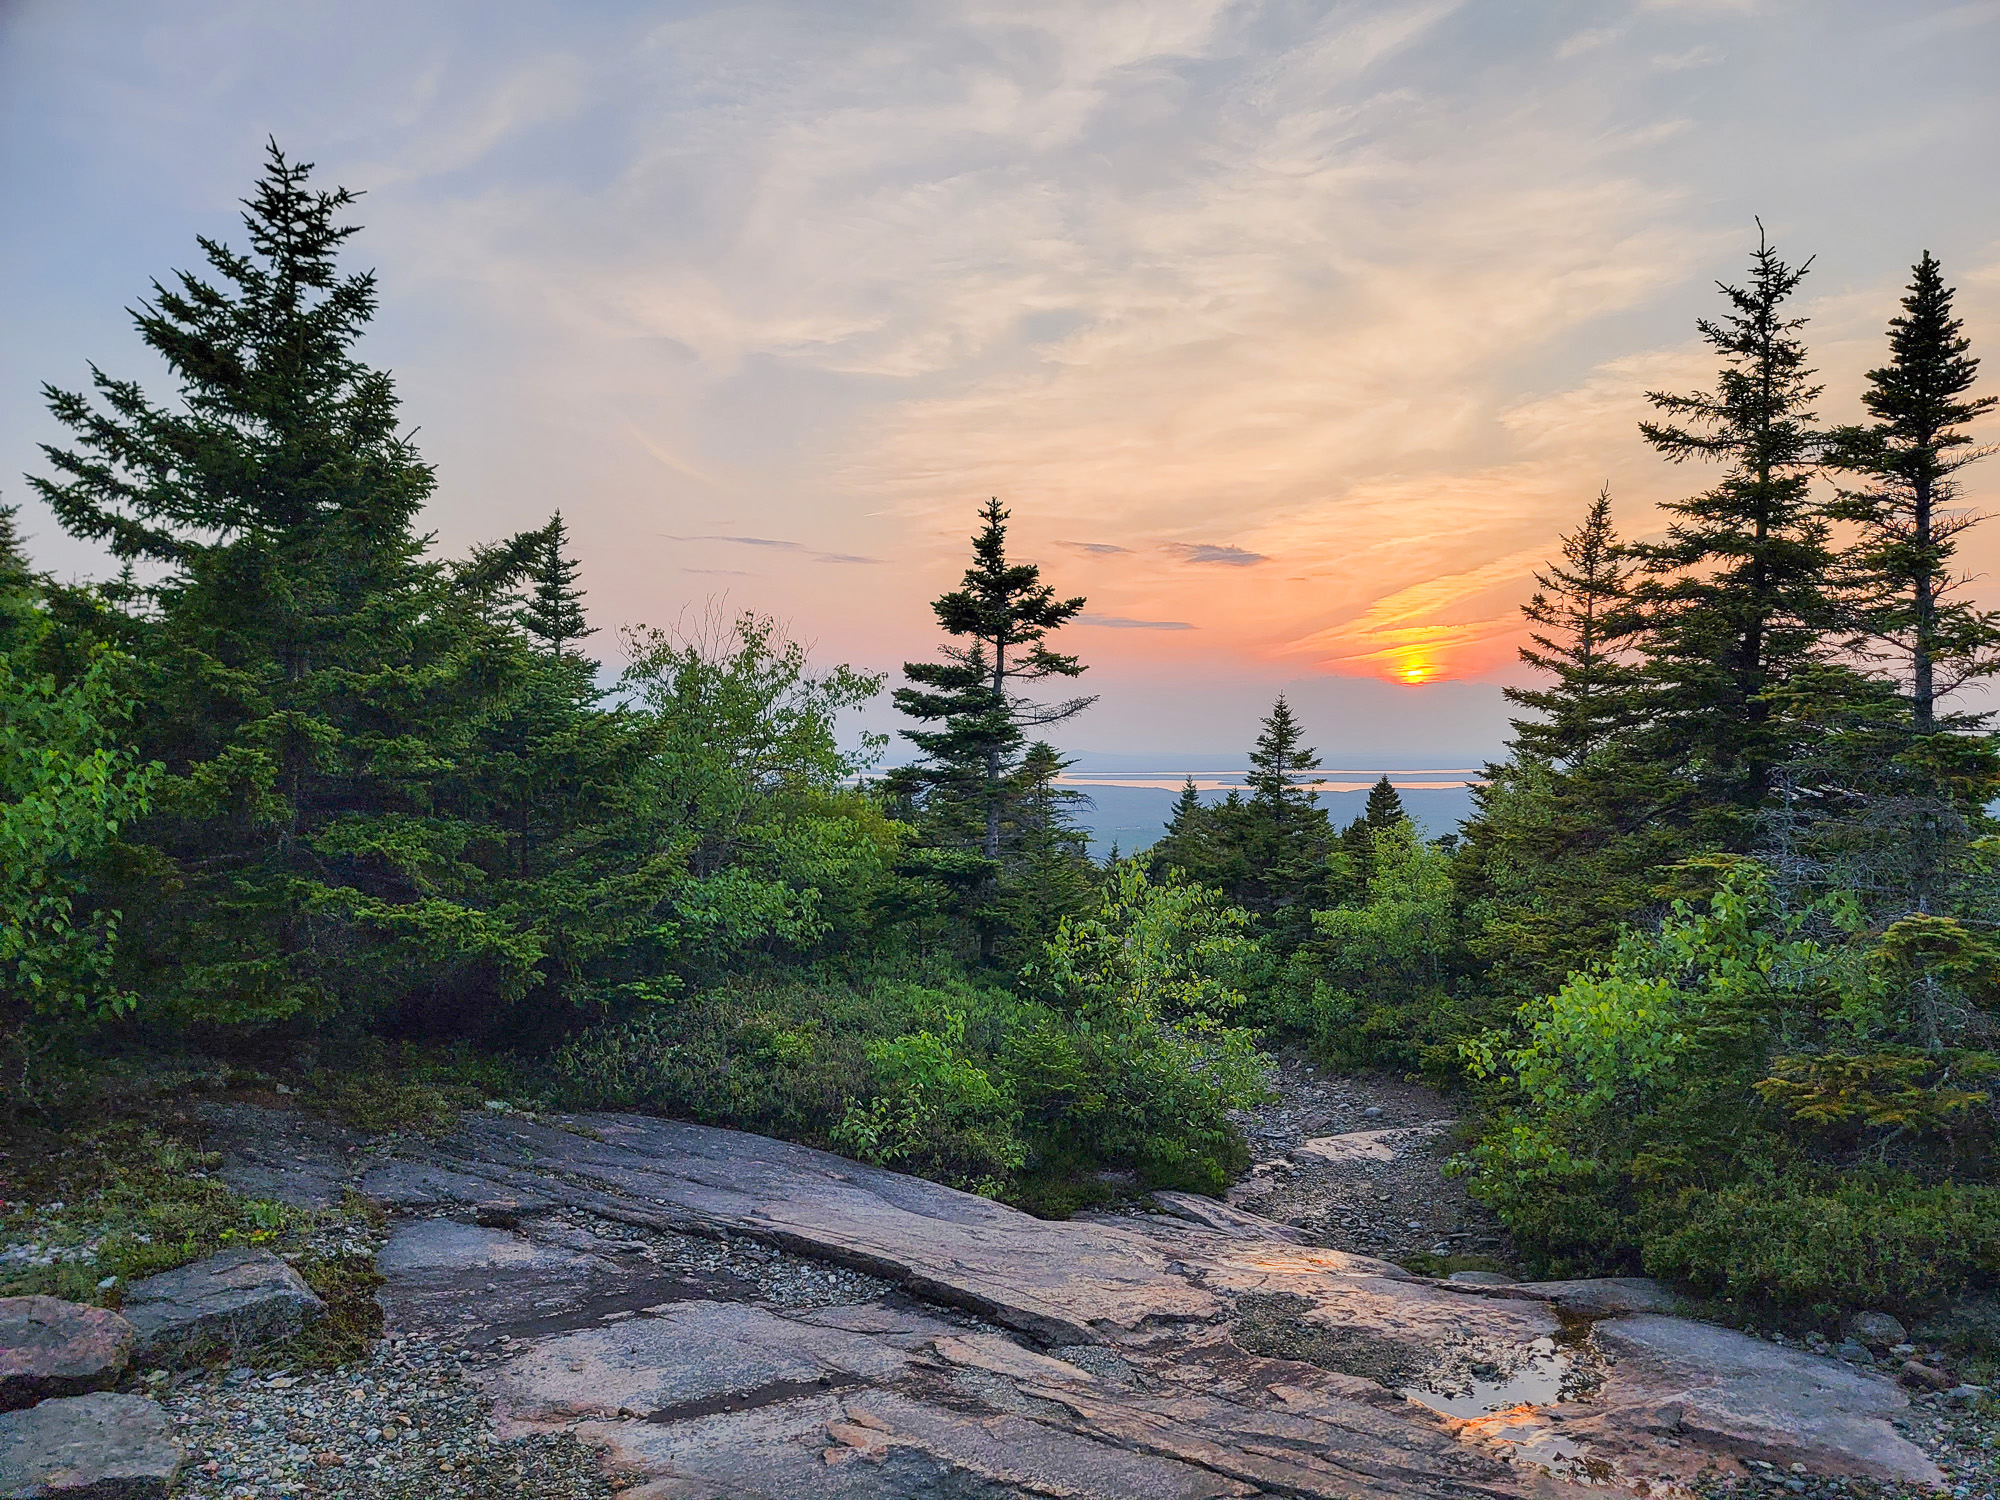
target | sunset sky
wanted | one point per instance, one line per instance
(1292, 333)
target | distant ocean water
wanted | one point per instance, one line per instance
(1131, 796)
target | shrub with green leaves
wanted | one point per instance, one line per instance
(1131, 1060)
(1383, 982)
(937, 1112)
(1717, 1103)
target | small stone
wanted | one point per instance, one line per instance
(236, 1300)
(1878, 1330)
(1855, 1354)
(1372, 1112)
(1964, 1395)
(329, 1460)
(49, 1347)
(1920, 1376)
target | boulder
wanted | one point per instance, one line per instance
(1733, 1394)
(49, 1347)
(95, 1447)
(233, 1301)
(1600, 1297)
(1876, 1330)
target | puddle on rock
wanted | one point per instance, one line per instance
(1540, 1379)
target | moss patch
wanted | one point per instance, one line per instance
(1275, 1325)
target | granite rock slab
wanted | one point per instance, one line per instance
(49, 1347)
(233, 1301)
(282, 1156)
(1215, 1353)
(1061, 1283)
(1741, 1396)
(93, 1447)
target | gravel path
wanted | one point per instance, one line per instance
(1388, 1197)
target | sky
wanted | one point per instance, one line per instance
(1292, 334)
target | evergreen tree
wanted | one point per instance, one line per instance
(1041, 808)
(963, 786)
(1276, 761)
(1185, 815)
(1906, 601)
(1580, 618)
(1385, 806)
(305, 667)
(1735, 599)
(553, 611)
(1275, 841)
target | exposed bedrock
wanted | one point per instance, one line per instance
(1198, 1352)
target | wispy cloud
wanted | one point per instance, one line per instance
(1327, 279)
(1213, 552)
(1120, 622)
(1704, 56)
(778, 545)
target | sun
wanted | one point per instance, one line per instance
(1415, 674)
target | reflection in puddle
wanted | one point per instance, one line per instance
(1537, 1381)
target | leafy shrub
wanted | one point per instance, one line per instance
(1878, 1238)
(1384, 983)
(1131, 1063)
(938, 1113)
(1706, 1105)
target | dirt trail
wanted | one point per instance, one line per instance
(1356, 1163)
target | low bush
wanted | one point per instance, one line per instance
(1125, 1060)
(1877, 1238)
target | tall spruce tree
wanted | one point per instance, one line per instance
(1277, 760)
(1905, 600)
(1580, 618)
(1735, 601)
(963, 786)
(299, 654)
(1280, 828)
(553, 610)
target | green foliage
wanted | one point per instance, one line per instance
(1872, 1238)
(1271, 853)
(1130, 1060)
(1899, 590)
(965, 794)
(68, 790)
(1582, 621)
(125, 1200)
(939, 1113)
(1383, 981)
(1716, 1075)
(1735, 601)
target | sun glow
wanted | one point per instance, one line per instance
(1416, 674)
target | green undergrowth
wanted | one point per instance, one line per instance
(391, 1087)
(351, 1323)
(116, 1201)
(1425, 1263)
